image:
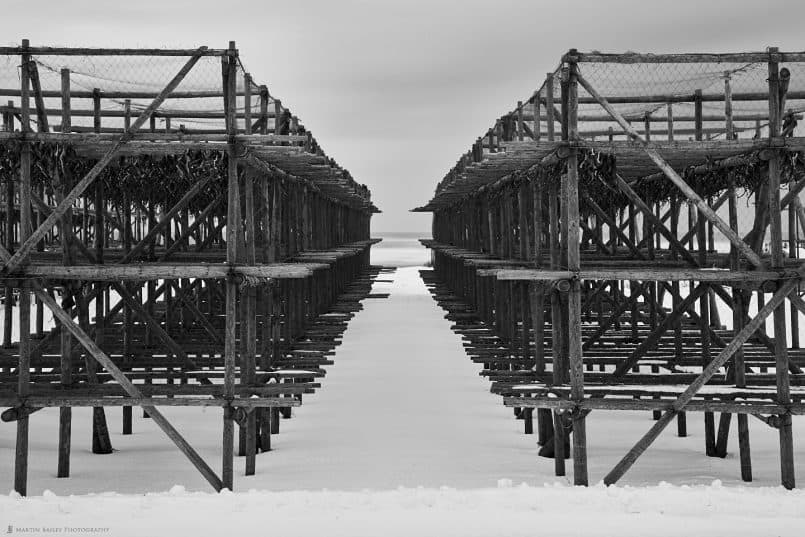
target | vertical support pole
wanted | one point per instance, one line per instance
(738, 312)
(728, 124)
(737, 295)
(264, 414)
(681, 418)
(704, 315)
(101, 443)
(8, 303)
(670, 121)
(704, 301)
(558, 369)
(127, 313)
(793, 253)
(277, 116)
(232, 229)
(777, 261)
(24, 367)
(537, 117)
(522, 221)
(63, 187)
(247, 436)
(247, 103)
(571, 198)
(549, 105)
(249, 323)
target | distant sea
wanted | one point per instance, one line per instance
(400, 249)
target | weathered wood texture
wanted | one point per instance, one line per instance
(623, 297)
(231, 290)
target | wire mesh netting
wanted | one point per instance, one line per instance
(197, 103)
(664, 97)
(659, 93)
(109, 89)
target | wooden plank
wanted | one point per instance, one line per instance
(641, 274)
(732, 57)
(99, 51)
(157, 271)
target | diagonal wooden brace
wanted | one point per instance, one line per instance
(101, 357)
(612, 225)
(192, 228)
(624, 187)
(24, 251)
(613, 317)
(165, 220)
(655, 336)
(666, 168)
(679, 404)
(92, 348)
(200, 317)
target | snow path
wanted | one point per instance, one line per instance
(403, 405)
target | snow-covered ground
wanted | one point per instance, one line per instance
(403, 438)
(555, 510)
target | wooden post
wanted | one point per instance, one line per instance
(730, 129)
(8, 302)
(549, 106)
(24, 367)
(63, 186)
(670, 120)
(277, 116)
(704, 302)
(101, 442)
(681, 419)
(739, 311)
(247, 103)
(737, 296)
(777, 262)
(127, 317)
(537, 118)
(570, 197)
(249, 322)
(793, 253)
(232, 231)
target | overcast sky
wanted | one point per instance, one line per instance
(396, 90)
